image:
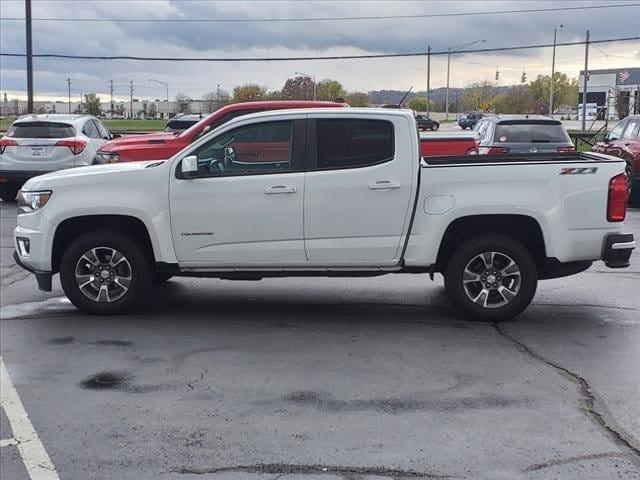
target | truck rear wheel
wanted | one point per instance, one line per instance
(491, 278)
(105, 273)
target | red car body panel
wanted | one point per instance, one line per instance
(160, 146)
(455, 143)
(627, 147)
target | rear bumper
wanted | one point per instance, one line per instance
(18, 176)
(617, 250)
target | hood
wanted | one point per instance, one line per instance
(154, 138)
(95, 174)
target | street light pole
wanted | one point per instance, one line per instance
(27, 7)
(553, 70)
(449, 50)
(428, 76)
(584, 82)
(165, 84)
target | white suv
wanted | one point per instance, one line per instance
(37, 144)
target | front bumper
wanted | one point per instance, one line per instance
(617, 250)
(43, 278)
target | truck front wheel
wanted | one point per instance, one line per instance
(105, 273)
(491, 278)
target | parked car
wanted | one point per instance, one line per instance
(180, 123)
(448, 143)
(161, 146)
(36, 144)
(623, 141)
(326, 192)
(426, 123)
(500, 134)
(469, 120)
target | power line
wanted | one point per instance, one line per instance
(328, 19)
(331, 57)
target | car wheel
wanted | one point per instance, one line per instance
(435, 126)
(104, 273)
(491, 278)
(8, 192)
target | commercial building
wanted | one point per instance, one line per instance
(612, 93)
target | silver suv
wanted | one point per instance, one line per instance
(522, 134)
(37, 144)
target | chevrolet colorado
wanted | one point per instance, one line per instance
(324, 192)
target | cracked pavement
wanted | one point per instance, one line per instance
(315, 378)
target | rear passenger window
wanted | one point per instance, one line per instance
(632, 129)
(90, 130)
(354, 143)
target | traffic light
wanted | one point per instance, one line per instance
(497, 74)
(523, 78)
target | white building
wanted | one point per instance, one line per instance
(612, 92)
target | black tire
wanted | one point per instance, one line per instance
(140, 272)
(507, 248)
(8, 192)
(435, 126)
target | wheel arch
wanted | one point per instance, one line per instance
(71, 228)
(522, 228)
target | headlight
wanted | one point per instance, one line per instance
(107, 157)
(32, 201)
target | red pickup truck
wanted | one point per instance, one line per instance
(623, 141)
(159, 146)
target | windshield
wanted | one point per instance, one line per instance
(41, 130)
(179, 125)
(540, 132)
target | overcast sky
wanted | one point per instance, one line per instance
(267, 39)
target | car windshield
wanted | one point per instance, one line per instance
(530, 132)
(41, 130)
(174, 125)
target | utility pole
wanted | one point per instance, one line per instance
(446, 92)
(428, 76)
(130, 98)
(553, 70)
(27, 8)
(584, 88)
(218, 96)
(69, 90)
(80, 102)
(111, 90)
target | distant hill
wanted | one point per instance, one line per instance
(381, 97)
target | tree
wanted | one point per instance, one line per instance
(92, 104)
(273, 95)
(249, 92)
(565, 91)
(329, 90)
(357, 99)
(298, 88)
(478, 96)
(419, 104)
(183, 103)
(152, 112)
(210, 102)
(516, 99)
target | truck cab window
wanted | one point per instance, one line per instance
(253, 149)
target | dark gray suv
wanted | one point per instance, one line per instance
(503, 134)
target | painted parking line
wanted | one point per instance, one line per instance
(35, 457)
(8, 442)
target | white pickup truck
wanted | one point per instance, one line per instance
(319, 192)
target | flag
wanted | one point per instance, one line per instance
(624, 76)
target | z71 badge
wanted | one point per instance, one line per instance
(578, 171)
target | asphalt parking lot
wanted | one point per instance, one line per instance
(315, 378)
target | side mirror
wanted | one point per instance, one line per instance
(115, 135)
(189, 165)
(229, 155)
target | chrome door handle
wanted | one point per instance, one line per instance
(384, 185)
(277, 189)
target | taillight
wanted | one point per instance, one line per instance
(566, 149)
(618, 196)
(7, 142)
(76, 145)
(493, 150)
